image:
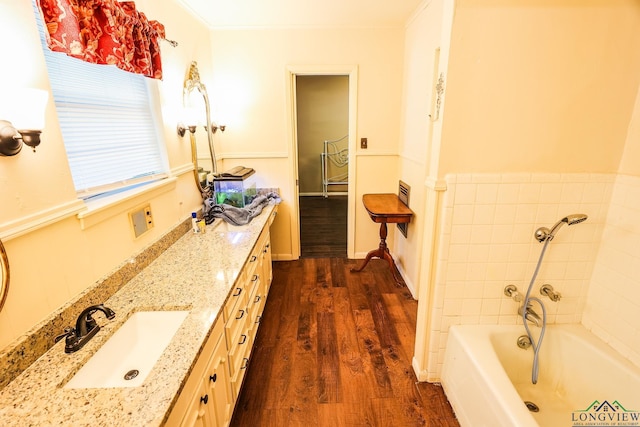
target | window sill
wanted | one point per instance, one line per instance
(29, 223)
(107, 207)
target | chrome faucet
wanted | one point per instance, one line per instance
(86, 328)
(530, 314)
(548, 290)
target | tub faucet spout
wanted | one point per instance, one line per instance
(530, 314)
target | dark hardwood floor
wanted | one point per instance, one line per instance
(323, 226)
(334, 349)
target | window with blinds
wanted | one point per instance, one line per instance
(108, 124)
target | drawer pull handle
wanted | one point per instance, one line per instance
(253, 258)
(245, 364)
(241, 315)
(254, 278)
(257, 299)
(204, 399)
(258, 318)
(243, 339)
(213, 378)
(238, 292)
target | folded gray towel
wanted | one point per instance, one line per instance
(238, 216)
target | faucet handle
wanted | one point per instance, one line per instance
(512, 292)
(69, 334)
(547, 290)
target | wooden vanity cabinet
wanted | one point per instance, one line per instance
(212, 403)
(198, 402)
(218, 385)
(241, 343)
(209, 396)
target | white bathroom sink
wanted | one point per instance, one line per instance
(128, 356)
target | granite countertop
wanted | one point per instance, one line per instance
(196, 273)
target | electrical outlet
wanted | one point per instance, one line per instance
(141, 220)
(363, 143)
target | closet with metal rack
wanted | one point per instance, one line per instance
(335, 162)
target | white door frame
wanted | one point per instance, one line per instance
(319, 70)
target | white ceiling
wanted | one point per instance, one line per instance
(303, 13)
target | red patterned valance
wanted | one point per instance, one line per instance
(104, 32)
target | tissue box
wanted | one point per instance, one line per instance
(234, 189)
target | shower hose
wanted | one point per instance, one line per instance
(535, 344)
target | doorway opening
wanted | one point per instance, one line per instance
(322, 134)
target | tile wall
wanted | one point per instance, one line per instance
(487, 242)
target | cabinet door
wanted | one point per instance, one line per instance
(199, 412)
(218, 385)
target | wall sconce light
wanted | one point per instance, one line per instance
(27, 122)
(182, 129)
(215, 127)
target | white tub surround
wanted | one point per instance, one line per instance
(487, 378)
(613, 301)
(486, 241)
(196, 274)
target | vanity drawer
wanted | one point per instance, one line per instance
(253, 262)
(239, 362)
(240, 349)
(254, 289)
(236, 298)
(236, 324)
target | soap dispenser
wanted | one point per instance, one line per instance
(194, 222)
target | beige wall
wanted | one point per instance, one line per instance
(52, 256)
(630, 163)
(540, 85)
(322, 105)
(249, 88)
(423, 41)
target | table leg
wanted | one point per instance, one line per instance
(382, 252)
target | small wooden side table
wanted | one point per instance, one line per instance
(385, 208)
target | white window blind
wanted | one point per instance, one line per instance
(107, 120)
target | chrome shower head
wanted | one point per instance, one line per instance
(574, 219)
(543, 233)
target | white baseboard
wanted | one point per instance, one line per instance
(332, 193)
(421, 375)
(282, 257)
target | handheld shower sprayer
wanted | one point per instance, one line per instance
(543, 233)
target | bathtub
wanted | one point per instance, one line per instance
(487, 379)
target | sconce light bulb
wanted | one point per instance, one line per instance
(31, 138)
(27, 121)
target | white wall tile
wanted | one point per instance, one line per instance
(465, 194)
(487, 193)
(493, 218)
(529, 193)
